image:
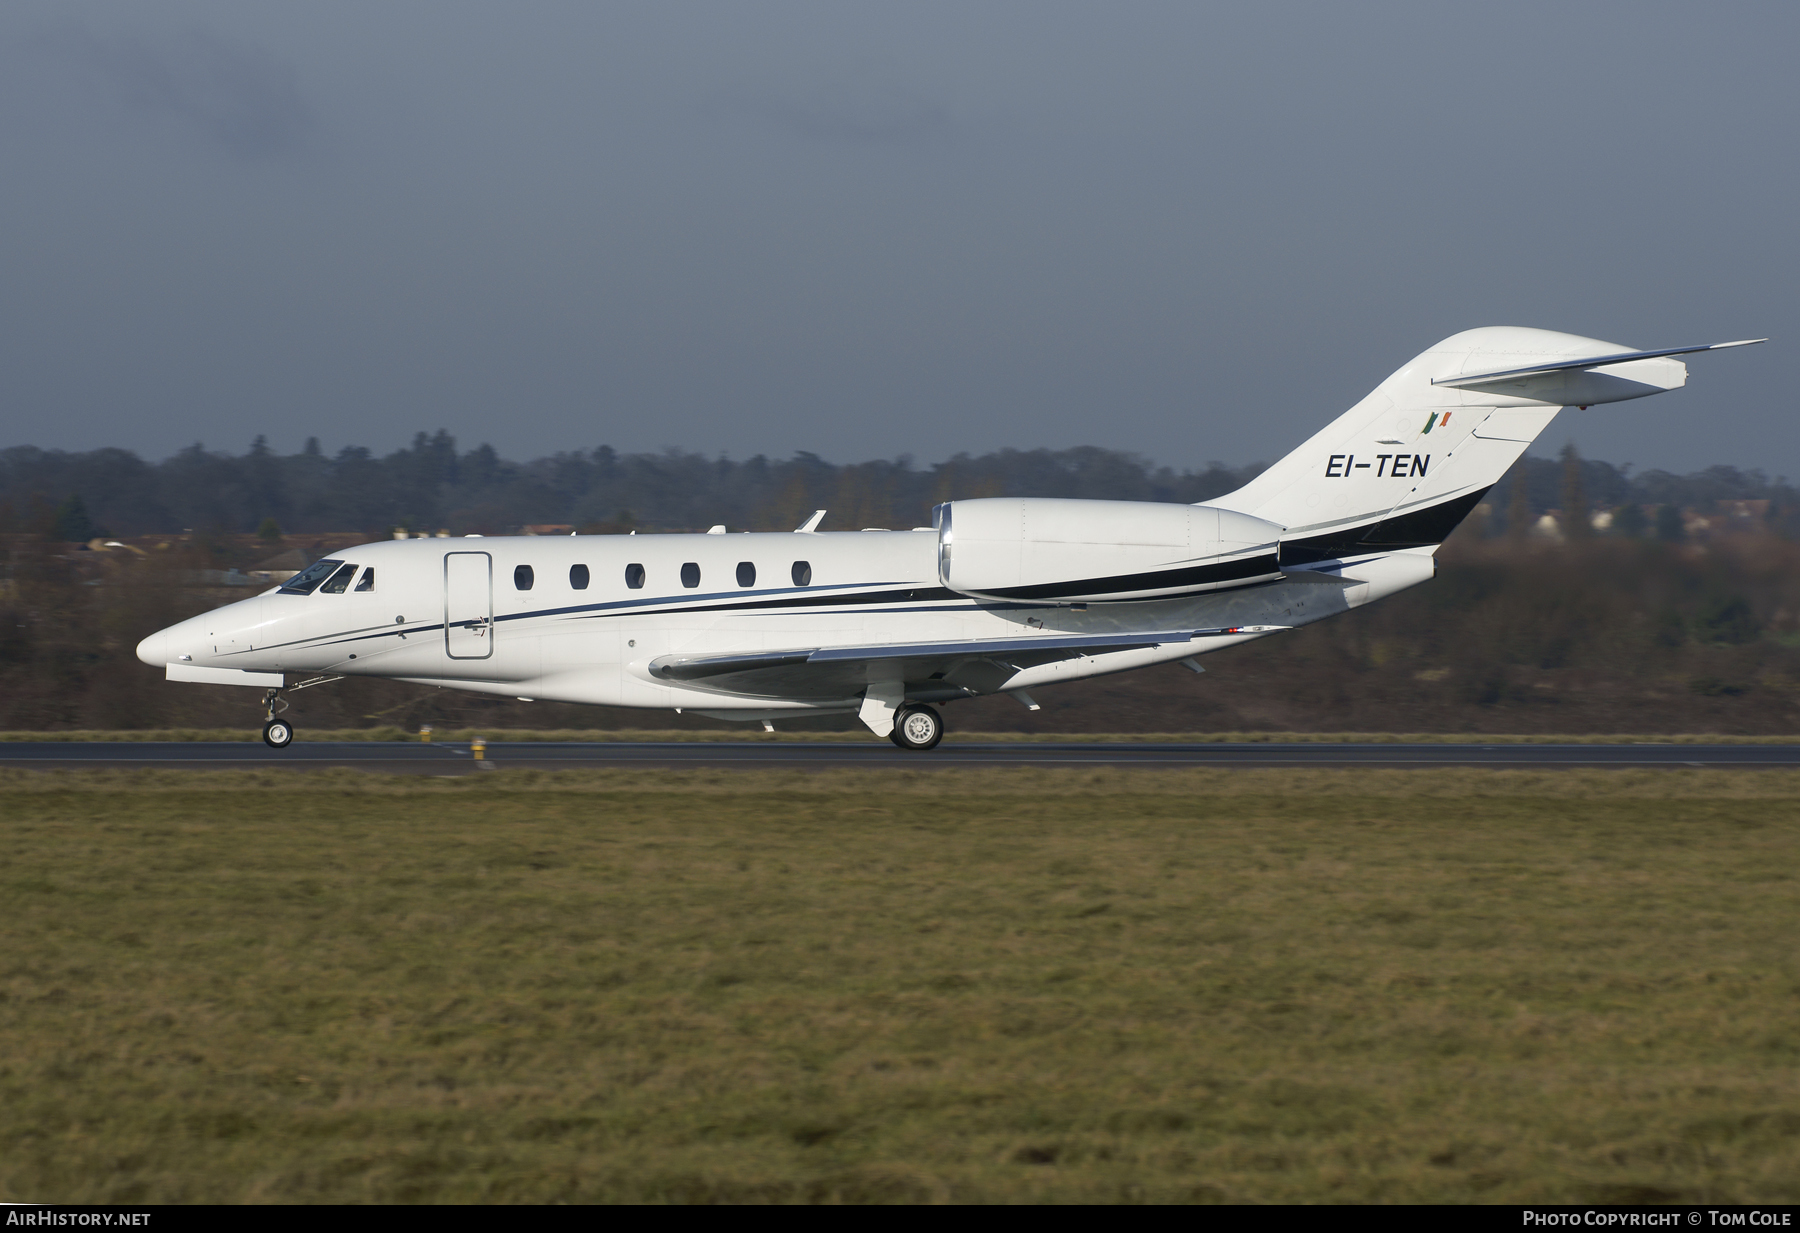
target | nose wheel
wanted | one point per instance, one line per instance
(278, 733)
(917, 727)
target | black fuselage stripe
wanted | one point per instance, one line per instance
(935, 599)
(797, 602)
(1419, 527)
(648, 607)
(1192, 576)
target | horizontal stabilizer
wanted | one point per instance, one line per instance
(1598, 361)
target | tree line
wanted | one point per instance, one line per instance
(1514, 635)
(433, 484)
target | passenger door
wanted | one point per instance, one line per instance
(468, 605)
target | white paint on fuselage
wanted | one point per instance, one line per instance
(556, 643)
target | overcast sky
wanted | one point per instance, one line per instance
(1190, 230)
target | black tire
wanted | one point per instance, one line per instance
(918, 727)
(278, 734)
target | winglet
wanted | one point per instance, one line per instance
(1596, 361)
(811, 525)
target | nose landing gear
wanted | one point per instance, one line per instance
(278, 733)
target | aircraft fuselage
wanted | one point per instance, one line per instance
(508, 615)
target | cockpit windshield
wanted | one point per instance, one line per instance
(307, 580)
(340, 581)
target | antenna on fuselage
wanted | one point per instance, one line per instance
(811, 525)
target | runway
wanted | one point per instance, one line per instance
(455, 759)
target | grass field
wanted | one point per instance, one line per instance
(1005, 985)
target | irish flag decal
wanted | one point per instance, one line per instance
(1434, 420)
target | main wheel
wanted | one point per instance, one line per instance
(278, 734)
(918, 727)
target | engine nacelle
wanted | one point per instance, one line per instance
(1056, 551)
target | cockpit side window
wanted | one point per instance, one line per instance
(307, 580)
(339, 582)
(367, 581)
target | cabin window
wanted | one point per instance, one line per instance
(746, 574)
(306, 581)
(802, 573)
(339, 582)
(523, 577)
(634, 576)
(690, 575)
(367, 581)
(578, 577)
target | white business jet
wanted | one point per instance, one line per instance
(998, 595)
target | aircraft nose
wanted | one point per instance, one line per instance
(154, 650)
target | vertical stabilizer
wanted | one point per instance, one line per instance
(1405, 465)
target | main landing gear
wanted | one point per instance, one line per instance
(278, 733)
(917, 727)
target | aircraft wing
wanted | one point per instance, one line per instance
(957, 667)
